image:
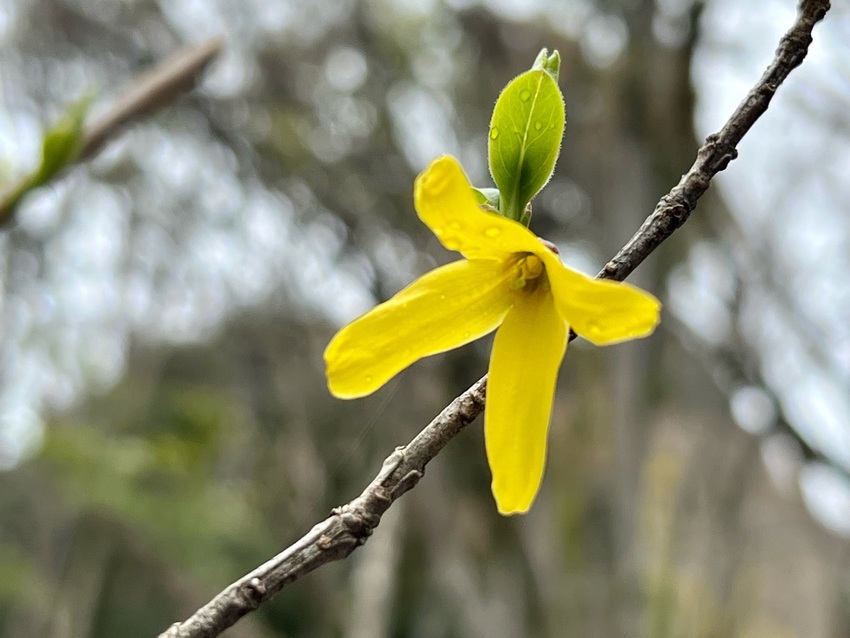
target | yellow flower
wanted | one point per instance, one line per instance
(510, 281)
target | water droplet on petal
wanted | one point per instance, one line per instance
(368, 378)
(594, 328)
(494, 133)
(455, 225)
(524, 95)
(434, 184)
(492, 232)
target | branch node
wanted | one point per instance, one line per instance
(390, 465)
(253, 593)
(676, 209)
(408, 482)
(360, 520)
(324, 541)
(727, 156)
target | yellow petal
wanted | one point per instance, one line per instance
(527, 352)
(603, 312)
(443, 309)
(445, 202)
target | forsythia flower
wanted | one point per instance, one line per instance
(510, 281)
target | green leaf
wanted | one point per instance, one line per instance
(487, 197)
(525, 135)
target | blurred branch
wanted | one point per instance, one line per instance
(349, 526)
(149, 92)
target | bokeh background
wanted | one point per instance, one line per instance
(164, 423)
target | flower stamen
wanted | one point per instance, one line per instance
(529, 268)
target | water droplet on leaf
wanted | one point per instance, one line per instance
(524, 95)
(494, 133)
(538, 125)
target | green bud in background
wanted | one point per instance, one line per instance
(62, 144)
(63, 141)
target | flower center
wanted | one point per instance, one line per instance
(528, 270)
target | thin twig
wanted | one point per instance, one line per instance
(345, 530)
(720, 148)
(349, 526)
(149, 92)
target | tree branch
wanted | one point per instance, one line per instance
(345, 530)
(349, 526)
(149, 92)
(720, 148)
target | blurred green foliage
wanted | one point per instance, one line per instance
(60, 146)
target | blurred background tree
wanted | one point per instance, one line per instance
(164, 423)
